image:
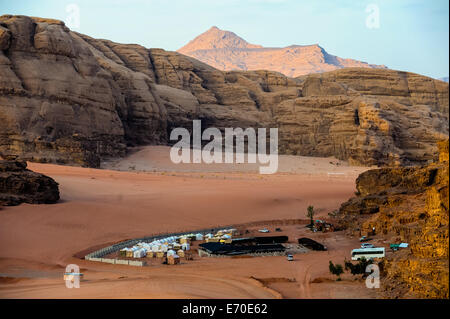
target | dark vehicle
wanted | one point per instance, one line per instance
(311, 244)
(364, 239)
(277, 229)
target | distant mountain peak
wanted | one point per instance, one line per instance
(216, 38)
(227, 51)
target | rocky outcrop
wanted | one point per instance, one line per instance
(226, 51)
(20, 185)
(407, 205)
(68, 98)
(366, 116)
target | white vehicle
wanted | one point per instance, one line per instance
(264, 230)
(290, 257)
(368, 253)
(367, 245)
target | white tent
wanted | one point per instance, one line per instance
(147, 248)
(139, 253)
(199, 237)
(171, 253)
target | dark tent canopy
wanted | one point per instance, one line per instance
(225, 249)
(311, 244)
(261, 240)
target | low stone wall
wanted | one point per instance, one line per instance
(137, 263)
(108, 260)
(122, 262)
(118, 261)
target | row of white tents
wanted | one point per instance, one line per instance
(141, 250)
(171, 244)
(222, 234)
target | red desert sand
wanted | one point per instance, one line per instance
(103, 206)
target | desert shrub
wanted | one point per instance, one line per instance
(336, 270)
(359, 268)
(310, 214)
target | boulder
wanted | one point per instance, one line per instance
(20, 185)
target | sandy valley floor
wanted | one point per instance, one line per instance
(149, 196)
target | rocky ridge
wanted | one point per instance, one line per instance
(68, 98)
(407, 205)
(227, 51)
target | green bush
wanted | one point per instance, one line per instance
(336, 270)
(310, 214)
(359, 268)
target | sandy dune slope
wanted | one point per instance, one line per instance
(99, 207)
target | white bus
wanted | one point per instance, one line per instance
(368, 253)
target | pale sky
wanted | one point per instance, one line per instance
(410, 35)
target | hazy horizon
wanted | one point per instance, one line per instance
(407, 35)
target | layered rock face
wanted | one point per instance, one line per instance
(20, 185)
(407, 205)
(68, 98)
(226, 51)
(369, 116)
(61, 102)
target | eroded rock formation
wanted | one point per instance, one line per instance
(68, 98)
(20, 185)
(407, 205)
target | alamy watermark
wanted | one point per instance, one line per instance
(373, 279)
(72, 276)
(72, 20)
(213, 151)
(373, 17)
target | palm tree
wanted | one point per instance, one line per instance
(310, 213)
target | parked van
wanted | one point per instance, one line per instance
(368, 253)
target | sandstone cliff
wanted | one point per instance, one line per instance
(20, 185)
(226, 51)
(407, 205)
(68, 98)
